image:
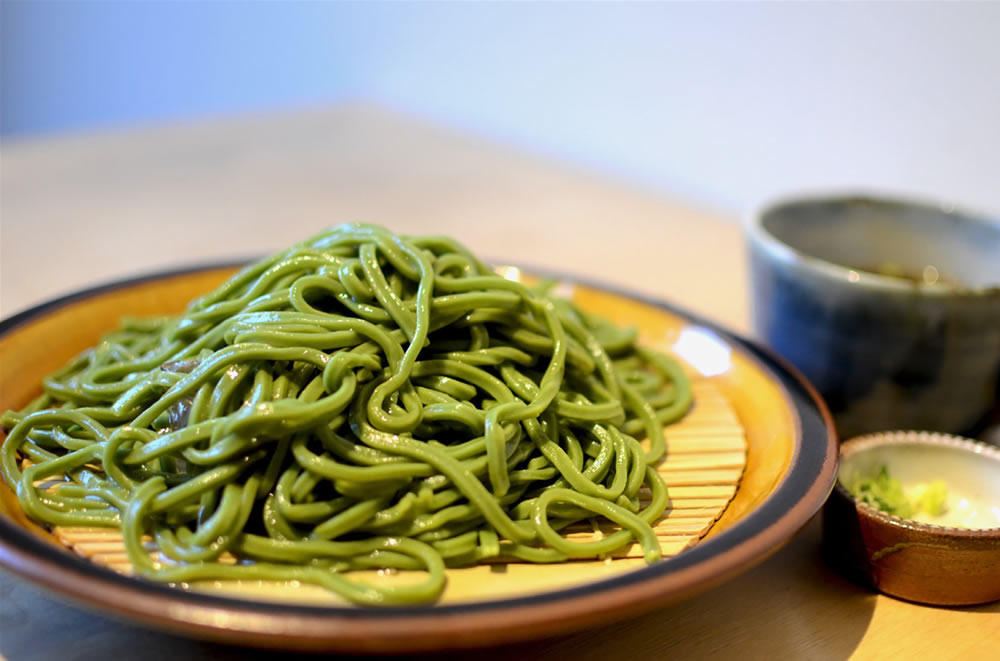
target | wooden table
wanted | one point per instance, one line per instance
(78, 211)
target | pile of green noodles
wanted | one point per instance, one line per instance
(360, 401)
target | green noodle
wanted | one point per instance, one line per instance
(360, 401)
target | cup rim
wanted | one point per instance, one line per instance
(783, 252)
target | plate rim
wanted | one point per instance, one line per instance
(745, 543)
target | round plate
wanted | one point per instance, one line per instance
(790, 468)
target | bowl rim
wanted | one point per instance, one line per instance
(865, 442)
(763, 238)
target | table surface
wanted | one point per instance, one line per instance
(77, 211)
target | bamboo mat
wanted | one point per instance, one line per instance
(706, 455)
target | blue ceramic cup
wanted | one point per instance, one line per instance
(890, 308)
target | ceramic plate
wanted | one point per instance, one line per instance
(752, 462)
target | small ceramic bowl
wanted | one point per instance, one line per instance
(944, 562)
(891, 308)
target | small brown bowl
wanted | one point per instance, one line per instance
(933, 563)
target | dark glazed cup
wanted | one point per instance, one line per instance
(890, 308)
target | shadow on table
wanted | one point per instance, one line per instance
(790, 607)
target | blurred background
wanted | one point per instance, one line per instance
(720, 104)
(137, 135)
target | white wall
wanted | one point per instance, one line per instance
(722, 103)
